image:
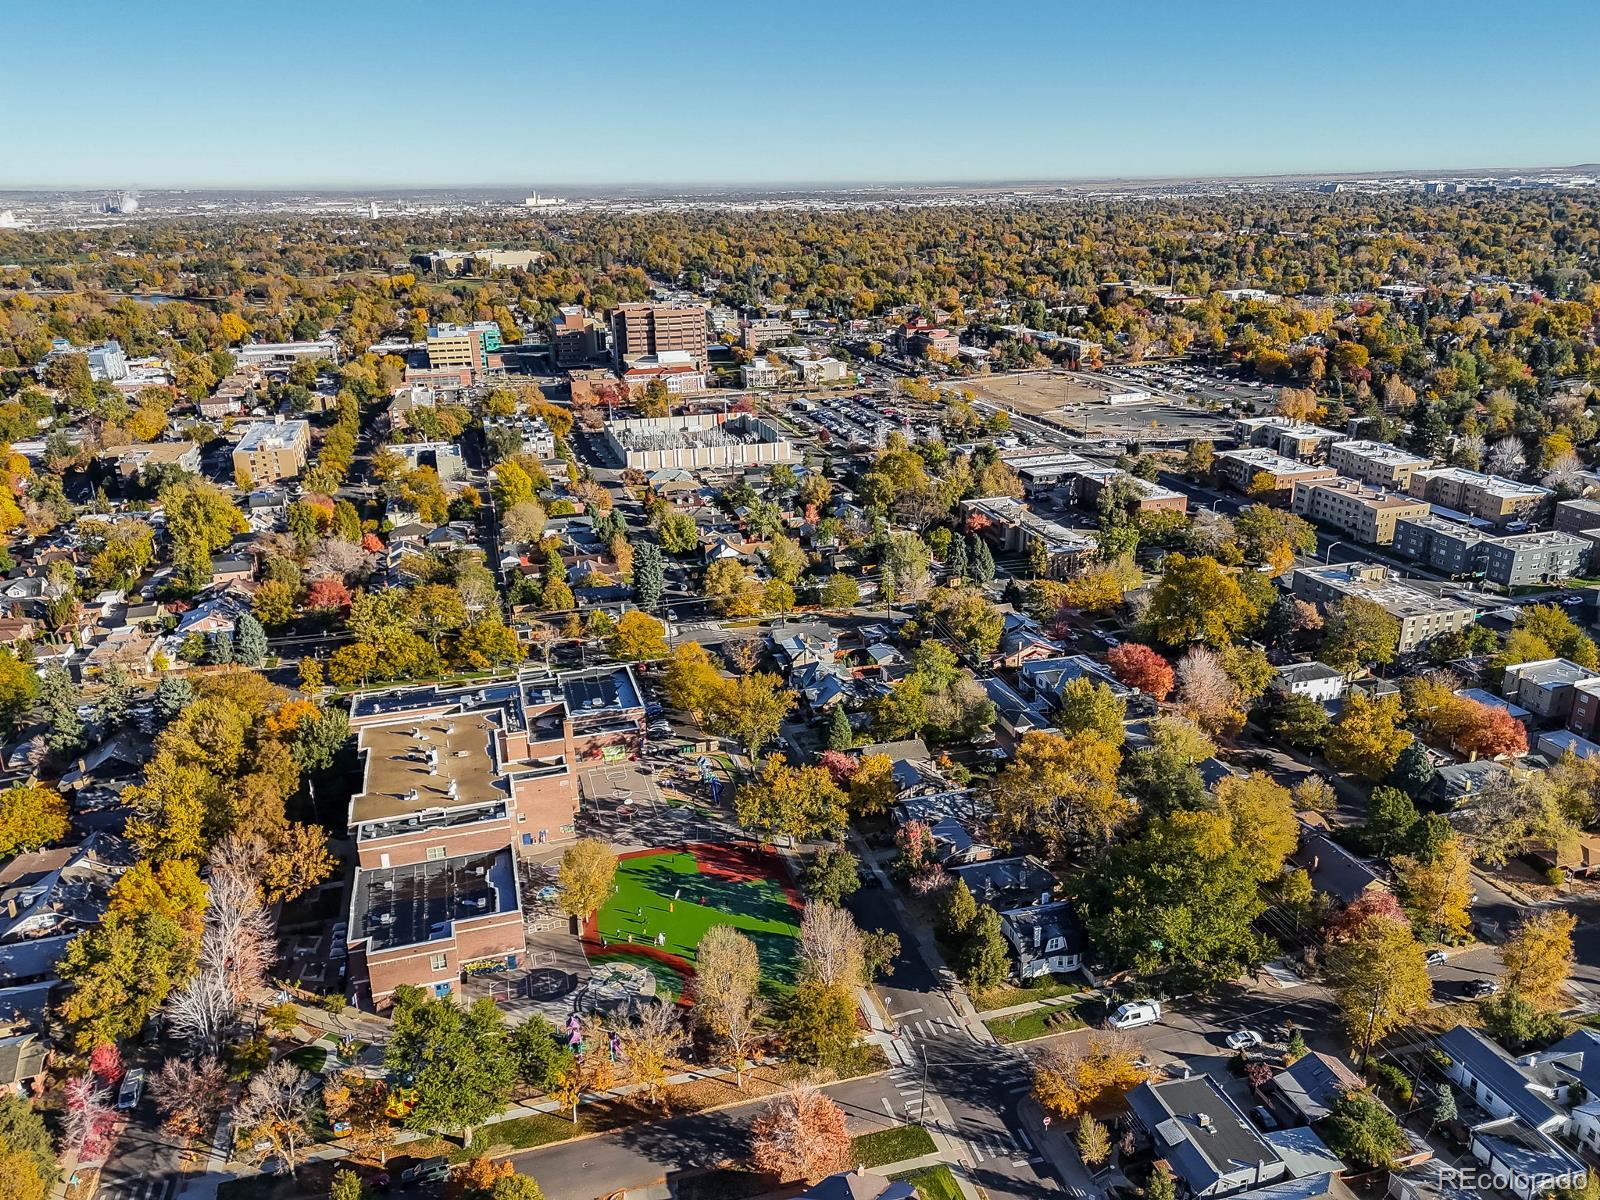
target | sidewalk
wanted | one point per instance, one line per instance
(1055, 1143)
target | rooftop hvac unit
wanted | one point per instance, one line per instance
(480, 902)
(463, 753)
(451, 790)
(416, 732)
(413, 794)
(385, 918)
(480, 872)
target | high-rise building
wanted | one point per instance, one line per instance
(638, 330)
(452, 347)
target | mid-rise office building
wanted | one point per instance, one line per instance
(1376, 463)
(1491, 497)
(1366, 514)
(760, 332)
(576, 337)
(273, 450)
(1420, 615)
(654, 330)
(463, 347)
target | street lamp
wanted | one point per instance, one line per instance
(1327, 555)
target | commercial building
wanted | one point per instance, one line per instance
(924, 339)
(1420, 615)
(456, 782)
(462, 347)
(640, 330)
(445, 458)
(1292, 439)
(1014, 529)
(1265, 473)
(273, 450)
(106, 361)
(1367, 514)
(1491, 497)
(1045, 473)
(761, 374)
(760, 332)
(1525, 559)
(1376, 463)
(698, 441)
(676, 369)
(282, 354)
(576, 337)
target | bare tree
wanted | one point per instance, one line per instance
(335, 556)
(801, 1135)
(238, 937)
(1563, 471)
(727, 998)
(276, 1110)
(830, 946)
(1205, 692)
(1505, 457)
(203, 1010)
(90, 1119)
(188, 1094)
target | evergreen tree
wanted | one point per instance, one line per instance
(958, 559)
(982, 561)
(250, 644)
(840, 735)
(1444, 1107)
(172, 693)
(118, 691)
(219, 649)
(58, 708)
(649, 576)
(984, 960)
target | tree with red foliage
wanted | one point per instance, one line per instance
(976, 521)
(328, 596)
(801, 1135)
(90, 1119)
(1487, 731)
(1141, 667)
(105, 1064)
(371, 543)
(1376, 902)
(840, 765)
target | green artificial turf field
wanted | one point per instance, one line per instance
(681, 894)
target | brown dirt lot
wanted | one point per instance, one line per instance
(1035, 393)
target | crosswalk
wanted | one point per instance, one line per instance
(144, 1187)
(913, 1095)
(935, 1027)
(1003, 1145)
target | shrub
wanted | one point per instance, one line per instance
(1392, 1077)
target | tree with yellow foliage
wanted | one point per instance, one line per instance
(1063, 789)
(1538, 959)
(31, 817)
(1380, 978)
(1088, 1076)
(1438, 890)
(1260, 812)
(233, 328)
(1367, 737)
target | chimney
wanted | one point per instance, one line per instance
(1037, 935)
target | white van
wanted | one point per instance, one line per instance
(1134, 1014)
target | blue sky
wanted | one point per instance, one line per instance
(157, 93)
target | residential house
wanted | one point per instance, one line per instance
(1203, 1136)
(1313, 680)
(1334, 871)
(1306, 1089)
(859, 1184)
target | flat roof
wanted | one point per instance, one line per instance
(1495, 485)
(431, 763)
(1382, 452)
(421, 902)
(1270, 460)
(608, 690)
(1370, 497)
(272, 433)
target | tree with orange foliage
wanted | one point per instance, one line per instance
(1375, 903)
(1487, 731)
(801, 1135)
(1140, 667)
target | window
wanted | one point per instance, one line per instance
(435, 853)
(438, 962)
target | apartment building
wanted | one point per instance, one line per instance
(273, 450)
(1265, 473)
(643, 330)
(1420, 615)
(106, 361)
(1367, 514)
(1013, 529)
(1526, 559)
(1292, 439)
(1148, 496)
(1545, 687)
(1491, 497)
(456, 783)
(1376, 463)
(462, 347)
(130, 460)
(576, 337)
(1444, 545)
(1577, 516)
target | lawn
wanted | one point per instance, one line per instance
(1045, 987)
(888, 1146)
(1041, 1022)
(933, 1183)
(682, 893)
(520, 1133)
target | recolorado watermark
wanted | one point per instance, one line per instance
(1480, 1178)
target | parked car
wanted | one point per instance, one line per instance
(1485, 987)
(1243, 1039)
(427, 1170)
(132, 1088)
(1437, 958)
(1262, 1116)
(1134, 1014)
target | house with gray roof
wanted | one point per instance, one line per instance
(1204, 1137)
(1309, 1086)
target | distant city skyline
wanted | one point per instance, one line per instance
(407, 94)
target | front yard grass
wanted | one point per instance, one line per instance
(1045, 987)
(888, 1146)
(1041, 1022)
(932, 1183)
